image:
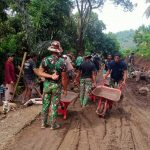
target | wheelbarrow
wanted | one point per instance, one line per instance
(106, 96)
(64, 103)
(91, 94)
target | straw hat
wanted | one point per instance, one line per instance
(55, 47)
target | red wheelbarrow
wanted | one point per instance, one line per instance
(91, 94)
(106, 96)
(64, 103)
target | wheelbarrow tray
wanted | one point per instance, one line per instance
(107, 92)
(65, 101)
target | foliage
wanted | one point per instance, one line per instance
(142, 38)
(3, 7)
(35, 23)
(96, 41)
(85, 8)
(110, 44)
(94, 35)
(126, 52)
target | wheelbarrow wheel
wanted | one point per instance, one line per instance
(100, 110)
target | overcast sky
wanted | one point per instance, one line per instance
(116, 19)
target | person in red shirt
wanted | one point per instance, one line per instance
(9, 77)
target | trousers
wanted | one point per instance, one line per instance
(85, 89)
(9, 92)
(51, 97)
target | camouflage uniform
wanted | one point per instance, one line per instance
(85, 89)
(87, 68)
(130, 69)
(52, 88)
(113, 84)
(130, 65)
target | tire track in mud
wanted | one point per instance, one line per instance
(34, 138)
(118, 135)
(70, 141)
(86, 139)
(140, 122)
(83, 141)
(87, 127)
(125, 129)
(105, 130)
(65, 133)
(118, 131)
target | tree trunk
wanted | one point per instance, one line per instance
(80, 30)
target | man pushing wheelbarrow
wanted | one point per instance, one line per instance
(117, 70)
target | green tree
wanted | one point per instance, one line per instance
(142, 38)
(85, 8)
(3, 7)
(147, 11)
(96, 41)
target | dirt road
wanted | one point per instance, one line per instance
(126, 128)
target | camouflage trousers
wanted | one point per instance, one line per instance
(130, 69)
(115, 84)
(85, 89)
(52, 94)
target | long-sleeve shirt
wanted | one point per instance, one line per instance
(9, 72)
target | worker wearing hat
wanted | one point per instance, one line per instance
(51, 69)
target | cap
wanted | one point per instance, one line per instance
(10, 55)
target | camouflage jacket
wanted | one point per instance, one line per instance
(52, 64)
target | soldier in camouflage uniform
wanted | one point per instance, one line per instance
(87, 76)
(52, 68)
(131, 64)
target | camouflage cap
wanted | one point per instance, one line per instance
(55, 47)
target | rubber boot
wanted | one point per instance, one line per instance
(44, 123)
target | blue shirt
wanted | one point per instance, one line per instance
(107, 63)
(117, 70)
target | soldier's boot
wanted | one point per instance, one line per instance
(55, 126)
(44, 123)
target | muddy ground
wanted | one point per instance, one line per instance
(14, 122)
(142, 63)
(125, 128)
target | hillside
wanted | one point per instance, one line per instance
(125, 39)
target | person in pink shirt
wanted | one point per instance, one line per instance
(9, 77)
